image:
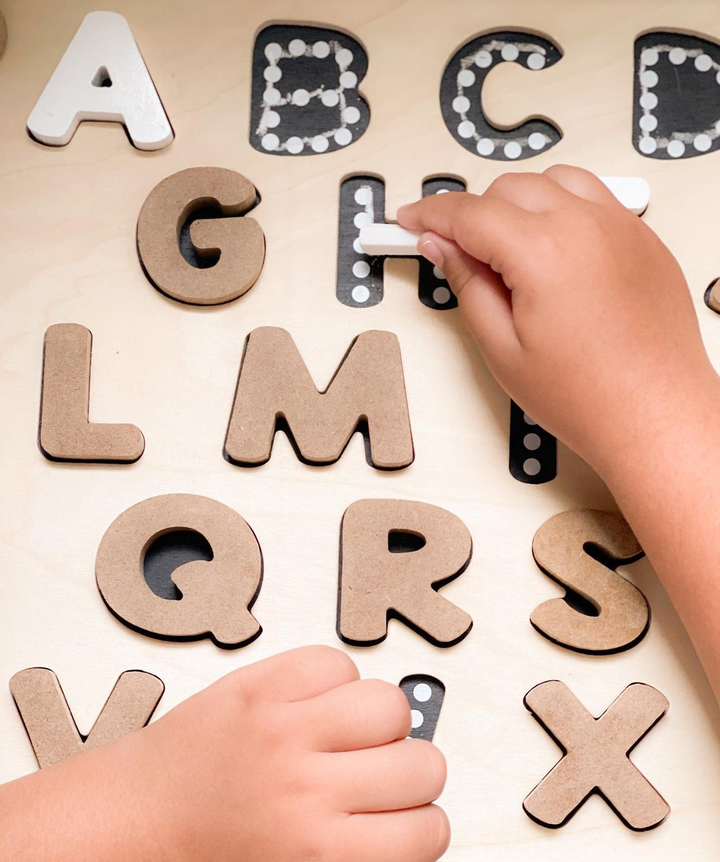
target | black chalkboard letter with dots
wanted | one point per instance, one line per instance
(305, 98)
(461, 96)
(676, 103)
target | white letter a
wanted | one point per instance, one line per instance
(101, 76)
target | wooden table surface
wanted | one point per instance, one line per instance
(68, 253)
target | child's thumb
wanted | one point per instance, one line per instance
(483, 298)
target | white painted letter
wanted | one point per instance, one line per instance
(101, 76)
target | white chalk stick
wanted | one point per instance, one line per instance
(632, 192)
(391, 240)
(388, 239)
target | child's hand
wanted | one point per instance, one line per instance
(292, 758)
(581, 312)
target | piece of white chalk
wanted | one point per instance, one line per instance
(391, 240)
(632, 192)
(388, 239)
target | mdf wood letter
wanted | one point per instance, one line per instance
(378, 581)
(240, 242)
(66, 434)
(595, 755)
(49, 722)
(275, 383)
(563, 549)
(216, 595)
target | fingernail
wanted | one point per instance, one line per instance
(431, 251)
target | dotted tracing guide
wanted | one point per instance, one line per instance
(305, 98)
(461, 99)
(677, 96)
(360, 281)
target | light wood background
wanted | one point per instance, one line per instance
(68, 255)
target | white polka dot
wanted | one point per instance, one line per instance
(271, 119)
(460, 104)
(675, 149)
(441, 295)
(703, 63)
(294, 145)
(649, 57)
(532, 467)
(320, 50)
(442, 191)
(348, 80)
(319, 143)
(648, 101)
(272, 74)
(531, 442)
(300, 97)
(510, 53)
(438, 273)
(361, 269)
(528, 419)
(536, 141)
(272, 96)
(363, 195)
(466, 78)
(648, 122)
(717, 77)
(297, 47)
(330, 98)
(717, 127)
(677, 56)
(273, 51)
(361, 219)
(270, 141)
(360, 293)
(351, 115)
(648, 145)
(512, 150)
(343, 137)
(485, 146)
(702, 143)
(466, 129)
(535, 61)
(357, 247)
(483, 59)
(344, 57)
(648, 78)
(422, 692)
(417, 718)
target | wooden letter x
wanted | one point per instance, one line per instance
(596, 755)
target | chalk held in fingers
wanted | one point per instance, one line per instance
(632, 192)
(389, 240)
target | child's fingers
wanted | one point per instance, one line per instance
(482, 295)
(298, 674)
(535, 193)
(490, 229)
(581, 183)
(415, 835)
(405, 774)
(361, 714)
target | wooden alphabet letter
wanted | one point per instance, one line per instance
(101, 76)
(367, 387)
(49, 722)
(378, 581)
(217, 595)
(66, 434)
(595, 755)
(562, 548)
(239, 242)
